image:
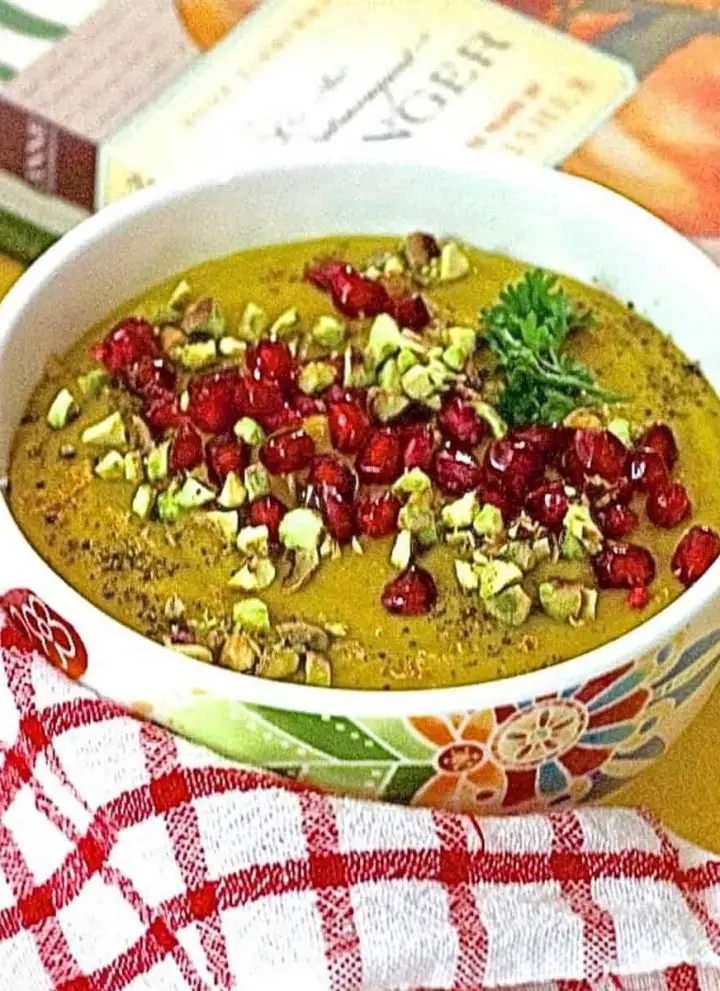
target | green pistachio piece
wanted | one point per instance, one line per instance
(389, 376)
(194, 650)
(561, 601)
(405, 360)
(328, 332)
(231, 347)
(233, 493)
(181, 296)
(330, 548)
(252, 615)
(455, 357)
(197, 354)
(462, 541)
(510, 607)
(193, 494)
(254, 576)
(466, 576)
(156, 462)
(111, 467)
(167, 506)
(93, 383)
(356, 374)
(315, 376)
(520, 552)
(337, 630)
(239, 652)
(542, 549)
(317, 670)
(285, 323)
(402, 550)
(491, 416)
(418, 517)
(253, 323)
(143, 500)
(133, 466)
(412, 481)
(394, 266)
(254, 540)
(249, 431)
(387, 406)
(185, 401)
(571, 549)
(495, 576)
(417, 383)
(454, 263)
(257, 481)
(579, 524)
(588, 611)
(488, 522)
(204, 317)
(464, 338)
(300, 529)
(109, 432)
(439, 375)
(461, 512)
(226, 522)
(62, 410)
(385, 340)
(278, 662)
(621, 428)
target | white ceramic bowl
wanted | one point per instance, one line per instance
(607, 713)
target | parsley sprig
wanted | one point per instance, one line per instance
(526, 330)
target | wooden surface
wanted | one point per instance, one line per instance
(683, 787)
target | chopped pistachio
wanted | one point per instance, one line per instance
(253, 323)
(462, 541)
(461, 337)
(389, 376)
(304, 564)
(109, 432)
(571, 549)
(373, 272)
(252, 614)
(466, 576)
(143, 500)
(278, 662)
(488, 522)
(412, 481)
(257, 481)
(307, 636)
(491, 416)
(167, 506)
(111, 467)
(231, 347)
(394, 265)
(300, 529)
(317, 670)
(461, 512)
(204, 317)
(385, 340)
(133, 466)
(402, 550)
(387, 406)
(520, 552)
(330, 548)
(62, 410)
(285, 323)
(561, 601)
(156, 462)
(454, 357)
(434, 353)
(417, 383)
(542, 549)
(454, 263)
(357, 547)
(171, 338)
(418, 517)
(240, 652)
(621, 428)
(194, 650)
(510, 607)
(226, 522)
(497, 575)
(254, 540)
(588, 611)
(233, 493)
(439, 375)
(254, 576)
(197, 354)
(579, 524)
(316, 376)
(405, 360)
(249, 431)
(356, 374)
(194, 494)
(328, 332)
(181, 296)
(174, 607)
(93, 383)
(184, 401)
(337, 630)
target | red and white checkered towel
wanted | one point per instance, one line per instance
(132, 859)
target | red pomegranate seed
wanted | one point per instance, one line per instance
(646, 470)
(267, 511)
(516, 465)
(410, 311)
(259, 399)
(661, 439)
(601, 496)
(380, 460)
(694, 554)
(638, 597)
(225, 455)
(616, 520)
(215, 401)
(377, 515)
(271, 361)
(600, 452)
(552, 442)
(418, 446)
(357, 296)
(623, 566)
(456, 472)
(493, 495)
(412, 593)
(129, 341)
(287, 451)
(548, 505)
(330, 474)
(323, 274)
(308, 405)
(349, 426)
(162, 413)
(668, 505)
(287, 416)
(338, 515)
(151, 376)
(460, 423)
(346, 394)
(186, 449)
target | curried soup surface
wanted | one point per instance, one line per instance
(164, 569)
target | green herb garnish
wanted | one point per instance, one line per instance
(526, 331)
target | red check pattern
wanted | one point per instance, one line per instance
(130, 858)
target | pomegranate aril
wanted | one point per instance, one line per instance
(271, 361)
(494, 495)
(638, 597)
(330, 474)
(338, 515)
(601, 496)
(129, 341)
(267, 511)
(349, 426)
(380, 461)
(287, 416)
(225, 455)
(410, 311)
(377, 515)
(346, 394)
(215, 401)
(323, 274)
(186, 449)
(162, 413)
(548, 505)
(660, 438)
(616, 520)
(668, 505)
(418, 446)
(697, 550)
(287, 451)
(646, 469)
(623, 565)
(412, 593)
(600, 452)
(456, 472)
(308, 405)
(258, 398)
(552, 442)
(357, 296)
(151, 376)
(459, 422)
(514, 464)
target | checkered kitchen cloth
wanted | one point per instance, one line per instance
(132, 859)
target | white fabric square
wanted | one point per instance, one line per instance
(277, 943)
(361, 828)
(9, 721)
(19, 959)
(189, 939)
(41, 843)
(523, 834)
(94, 946)
(267, 824)
(144, 854)
(601, 835)
(52, 688)
(61, 795)
(106, 757)
(533, 935)
(164, 976)
(414, 915)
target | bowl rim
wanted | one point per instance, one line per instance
(225, 684)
